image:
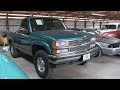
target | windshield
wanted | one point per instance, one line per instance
(46, 24)
(108, 27)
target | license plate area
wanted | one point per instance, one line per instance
(86, 57)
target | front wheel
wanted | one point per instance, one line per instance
(83, 63)
(99, 53)
(42, 65)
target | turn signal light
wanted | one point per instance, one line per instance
(54, 43)
(54, 51)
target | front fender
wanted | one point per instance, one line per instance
(43, 44)
(112, 35)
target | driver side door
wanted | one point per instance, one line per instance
(24, 40)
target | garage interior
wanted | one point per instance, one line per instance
(104, 67)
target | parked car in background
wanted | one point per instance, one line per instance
(108, 45)
(111, 29)
(50, 43)
(3, 38)
(8, 68)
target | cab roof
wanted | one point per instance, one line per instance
(112, 23)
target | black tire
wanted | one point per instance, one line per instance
(42, 57)
(99, 53)
(14, 52)
(83, 63)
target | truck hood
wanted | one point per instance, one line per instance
(62, 34)
(107, 39)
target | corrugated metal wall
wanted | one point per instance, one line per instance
(80, 24)
(69, 24)
(2, 25)
(14, 24)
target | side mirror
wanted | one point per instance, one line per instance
(23, 30)
(26, 32)
(5, 49)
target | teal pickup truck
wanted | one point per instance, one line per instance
(50, 43)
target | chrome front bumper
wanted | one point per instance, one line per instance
(111, 51)
(61, 58)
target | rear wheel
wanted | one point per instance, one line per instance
(14, 52)
(42, 65)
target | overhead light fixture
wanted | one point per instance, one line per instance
(18, 14)
(2, 13)
(2, 17)
(96, 14)
(16, 17)
(83, 18)
(40, 16)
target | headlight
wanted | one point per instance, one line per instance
(93, 39)
(59, 43)
(62, 51)
(55, 51)
(62, 43)
(92, 45)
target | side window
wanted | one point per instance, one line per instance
(24, 26)
(119, 26)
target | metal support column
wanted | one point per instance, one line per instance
(93, 24)
(75, 23)
(100, 24)
(7, 22)
(85, 24)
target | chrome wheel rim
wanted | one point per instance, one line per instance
(41, 64)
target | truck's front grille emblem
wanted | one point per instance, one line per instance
(79, 42)
(80, 48)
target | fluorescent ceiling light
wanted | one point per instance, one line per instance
(70, 19)
(2, 17)
(57, 16)
(40, 16)
(18, 14)
(83, 18)
(2, 13)
(17, 17)
(98, 14)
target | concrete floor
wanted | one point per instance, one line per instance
(104, 67)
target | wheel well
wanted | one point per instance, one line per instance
(99, 46)
(9, 41)
(35, 48)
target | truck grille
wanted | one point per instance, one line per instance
(80, 48)
(79, 42)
